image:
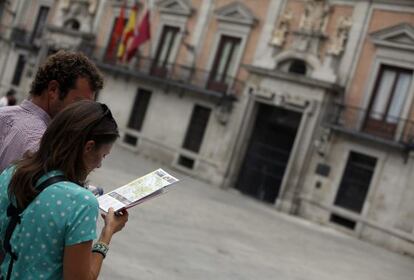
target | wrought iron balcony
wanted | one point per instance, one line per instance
(372, 125)
(22, 37)
(4, 32)
(173, 74)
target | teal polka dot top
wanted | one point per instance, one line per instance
(62, 215)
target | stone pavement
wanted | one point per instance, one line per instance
(197, 231)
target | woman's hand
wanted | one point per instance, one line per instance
(115, 222)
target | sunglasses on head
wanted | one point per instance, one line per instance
(106, 111)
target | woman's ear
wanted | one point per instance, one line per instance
(89, 146)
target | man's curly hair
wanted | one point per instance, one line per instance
(66, 67)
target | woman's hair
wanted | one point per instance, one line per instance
(62, 147)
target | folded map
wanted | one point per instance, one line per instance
(137, 191)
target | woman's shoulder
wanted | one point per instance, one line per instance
(5, 178)
(6, 174)
(71, 192)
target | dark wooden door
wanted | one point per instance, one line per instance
(387, 102)
(268, 153)
(165, 46)
(223, 61)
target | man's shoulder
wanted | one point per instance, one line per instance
(10, 110)
(15, 117)
(18, 134)
(12, 114)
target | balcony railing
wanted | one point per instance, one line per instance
(373, 125)
(4, 31)
(172, 73)
(22, 37)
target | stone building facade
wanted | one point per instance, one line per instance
(360, 175)
(303, 104)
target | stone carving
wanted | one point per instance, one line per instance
(310, 35)
(323, 142)
(76, 5)
(93, 4)
(337, 44)
(65, 4)
(81, 11)
(280, 33)
(315, 16)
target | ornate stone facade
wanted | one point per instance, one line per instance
(91, 5)
(338, 41)
(315, 16)
(311, 31)
(282, 29)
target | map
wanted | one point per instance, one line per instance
(136, 191)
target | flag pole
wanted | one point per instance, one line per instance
(149, 10)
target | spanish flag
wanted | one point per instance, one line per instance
(116, 36)
(128, 32)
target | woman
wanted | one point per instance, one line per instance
(57, 226)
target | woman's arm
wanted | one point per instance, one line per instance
(78, 260)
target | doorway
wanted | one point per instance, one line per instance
(268, 152)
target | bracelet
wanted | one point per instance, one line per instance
(101, 248)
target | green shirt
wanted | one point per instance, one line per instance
(63, 214)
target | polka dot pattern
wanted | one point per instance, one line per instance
(63, 214)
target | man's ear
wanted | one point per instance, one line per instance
(89, 146)
(53, 90)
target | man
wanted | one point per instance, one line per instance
(64, 78)
(9, 99)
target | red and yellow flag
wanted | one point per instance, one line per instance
(117, 34)
(128, 33)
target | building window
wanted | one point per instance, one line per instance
(40, 23)
(387, 101)
(224, 63)
(354, 186)
(186, 162)
(18, 71)
(343, 221)
(165, 46)
(2, 5)
(196, 129)
(73, 24)
(298, 66)
(139, 110)
(130, 139)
